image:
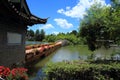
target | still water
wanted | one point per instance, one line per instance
(64, 53)
(68, 53)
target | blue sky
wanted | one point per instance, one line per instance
(64, 15)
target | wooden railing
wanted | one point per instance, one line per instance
(35, 52)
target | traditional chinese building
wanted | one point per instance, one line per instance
(15, 16)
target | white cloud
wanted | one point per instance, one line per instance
(63, 23)
(67, 8)
(55, 32)
(79, 10)
(47, 26)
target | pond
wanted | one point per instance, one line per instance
(68, 53)
(64, 53)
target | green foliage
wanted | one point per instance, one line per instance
(35, 36)
(82, 71)
(72, 37)
(115, 19)
(101, 23)
(42, 33)
(74, 32)
(50, 38)
(30, 35)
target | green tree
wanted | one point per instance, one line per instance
(105, 26)
(42, 34)
(94, 27)
(115, 20)
(37, 35)
(30, 35)
(50, 38)
(74, 32)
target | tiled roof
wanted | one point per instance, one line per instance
(29, 19)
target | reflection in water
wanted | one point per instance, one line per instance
(68, 53)
(65, 53)
(104, 53)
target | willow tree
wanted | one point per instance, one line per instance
(95, 25)
(101, 23)
(115, 20)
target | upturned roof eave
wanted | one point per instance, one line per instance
(25, 17)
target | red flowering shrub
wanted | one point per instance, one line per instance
(14, 74)
(19, 73)
(4, 71)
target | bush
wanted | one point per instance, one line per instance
(14, 74)
(82, 71)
